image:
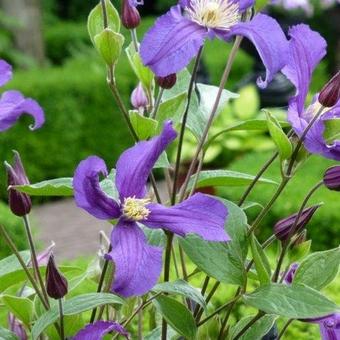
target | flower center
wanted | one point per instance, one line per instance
(220, 14)
(134, 208)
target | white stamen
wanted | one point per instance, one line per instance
(218, 14)
(134, 208)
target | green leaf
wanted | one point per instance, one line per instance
(248, 103)
(223, 261)
(156, 237)
(281, 140)
(143, 73)
(162, 161)
(5, 334)
(260, 328)
(10, 264)
(156, 334)
(260, 4)
(21, 307)
(95, 21)
(144, 127)
(172, 109)
(295, 302)
(109, 45)
(182, 288)
(108, 185)
(52, 187)
(200, 107)
(181, 86)
(76, 305)
(332, 130)
(177, 315)
(225, 178)
(318, 269)
(253, 125)
(260, 260)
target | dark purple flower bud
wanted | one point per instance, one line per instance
(139, 100)
(283, 228)
(330, 94)
(19, 203)
(331, 178)
(130, 15)
(289, 276)
(56, 283)
(167, 82)
(16, 327)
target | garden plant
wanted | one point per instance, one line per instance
(158, 272)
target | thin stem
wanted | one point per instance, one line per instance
(210, 295)
(140, 323)
(217, 311)
(280, 262)
(204, 288)
(283, 330)
(257, 177)
(15, 251)
(105, 19)
(183, 125)
(183, 265)
(61, 318)
(134, 39)
(35, 264)
(170, 237)
(157, 103)
(223, 81)
(197, 175)
(175, 260)
(257, 317)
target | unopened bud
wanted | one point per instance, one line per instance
(130, 15)
(331, 178)
(289, 277)
(283, 228)
(139, 100)
(167, 82)
(19, 203)
(330, 94)
(56, 283)
(16, 327)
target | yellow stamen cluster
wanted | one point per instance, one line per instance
(134, 208)
(218, 14)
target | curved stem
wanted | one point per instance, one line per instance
(157, 103)
(258, 316)
(283, 330)
(223, 81)
(183, 125)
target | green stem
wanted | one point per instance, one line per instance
(15, 251)
(183, 125)
(223, 81)
(257, 317)
(35, 264)
(210, 295)
(283, 330)
(157, 103)
(61, 318)
(204, 288)
(134, 38)
(280, 261)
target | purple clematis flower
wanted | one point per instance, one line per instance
(13, 104)
(307, 48)
(97, 330)
(177, 36)
(137, 264)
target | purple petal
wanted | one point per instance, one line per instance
(329, 326)
(244, 4)
(200, 214)
(135, 164)
(171, 43)
(270, 41)
(306, 49)
(289, 276)
(5, 72)
(137, 264)
(87, 192)
(13, 105)
(99, 329)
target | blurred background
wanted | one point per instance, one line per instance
(55, 63)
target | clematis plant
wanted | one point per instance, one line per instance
(217, 265)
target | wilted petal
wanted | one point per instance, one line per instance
(270, 41)
(200, 214)
(5, 72)
(13, 105)
(87, 192)
(171, 43)
(137, 264)
(135, 164)
(306, 49)
(97, 330)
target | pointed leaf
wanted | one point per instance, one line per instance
(51, 187)
(144, 127)
(21, 307)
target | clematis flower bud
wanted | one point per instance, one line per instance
(167, 82)
(331, 178)
(283, 228)
(19, 203)
(56, 283)
(289, 276)
(16, 327)
(330, 94)
(139, 100)
(130, 15)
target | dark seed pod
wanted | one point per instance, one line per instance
(167, 82)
